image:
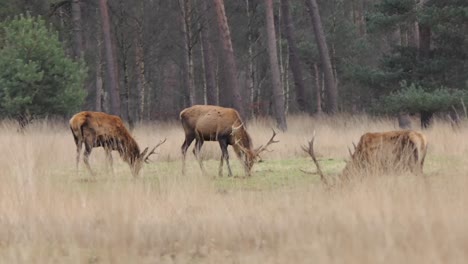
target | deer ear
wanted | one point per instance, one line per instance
(142, 155)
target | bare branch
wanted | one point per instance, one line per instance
(271, 141)
(153, 150)
(310, 150)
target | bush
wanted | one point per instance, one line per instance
(36, 77)
(414, 99)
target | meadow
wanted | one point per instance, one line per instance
(281, 214)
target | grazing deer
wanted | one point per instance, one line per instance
(97, 129)
(389, 150)
(214, 123)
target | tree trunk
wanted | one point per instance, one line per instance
(294, 61)
(208, 59)
(251, 76)
(111, 69)
(424, 40)
(100, 102)
(359, 18)
(426, 119)
(186, 8)
(413, 35)
(77, 29)
(330, 85)
(230, 68)
(140, 71)
(278, 96)
(318, 89)
(171, 82)
(404, 121)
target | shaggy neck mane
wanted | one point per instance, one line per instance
(127, 147)
(244, 140)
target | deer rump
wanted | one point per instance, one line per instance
(390, 151)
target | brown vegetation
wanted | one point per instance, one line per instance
(50, 215)
(215, 123)
(98, 129)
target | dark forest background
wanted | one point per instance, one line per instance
(148, 59)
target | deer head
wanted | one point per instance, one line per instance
(144, 158)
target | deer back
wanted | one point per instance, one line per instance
(209, 121)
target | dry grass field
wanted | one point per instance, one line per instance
(50, 214)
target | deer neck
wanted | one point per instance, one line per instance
(130, 151)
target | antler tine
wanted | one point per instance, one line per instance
(350, 153)
(234, 129)
(310, 150)
(271, 141)
(154, 149)
(349, 150)
(240, 146)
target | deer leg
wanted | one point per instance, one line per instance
(220, 169)
(88, 149)
(185, 146)
(78, 153)
(246, 168)
(196, 151)
(221, 161)
(110, 161)
(225, 154)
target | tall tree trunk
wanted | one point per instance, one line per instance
(100, 92)
(208, 58)
(100, 99)
(424, 40)
(251, 80)
(127, 95)
(294, 61)
(230, 68)
(318, 88)
(359, 18)
(141, 83)
(111, 69)
(330, 85)
(413, 32)
(186, 8)
(77, 29)
(169, 88)
(278, 96)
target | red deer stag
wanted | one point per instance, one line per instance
(97, 129)
(393, 150)
(214, 123)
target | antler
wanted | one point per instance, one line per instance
(349, 150)
(271, 141)
(153, 150)
(240, 146)
(310, 150)
(234, 129)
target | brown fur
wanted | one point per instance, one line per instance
(215, 123)
(97, 129)
(406, 149)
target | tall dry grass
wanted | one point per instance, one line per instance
(48, 214)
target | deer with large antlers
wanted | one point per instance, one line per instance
(388, 151)
(214, 123)
(97, 129)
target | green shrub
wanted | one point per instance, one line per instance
(36, 76)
